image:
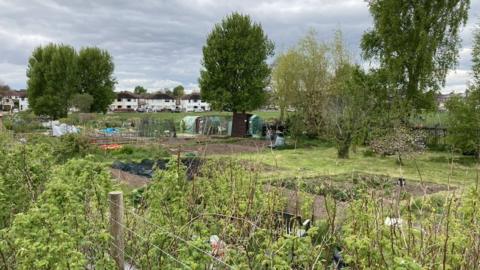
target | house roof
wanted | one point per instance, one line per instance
(159, 95)
(126, 94)
(14, 93)
(194, 96)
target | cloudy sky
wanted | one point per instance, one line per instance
(158, 43)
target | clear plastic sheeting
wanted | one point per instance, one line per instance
(189, 124)
(62, 129)
(255, 126)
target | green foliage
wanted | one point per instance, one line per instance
(56, 73)
(67, 227)
(22, 122)
(72, 146)
(464, 117)
(435, 234)
(24, 170)
(139, 90)
(96, 77)
(82, 102)
(178, 91)
(235, 69)
(416, 43)
(285, 81)
(52, 79)
(463, 122)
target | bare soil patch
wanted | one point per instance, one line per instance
(205, 146)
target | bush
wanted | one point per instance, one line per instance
(73, 145)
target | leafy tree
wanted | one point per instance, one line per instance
(349, 106)
(235, 70)
(140, 90)
(96, 77)
(415, 43)
(52, 79)
(178, 91)
(285, 80)
(83, 102)
(464, 117)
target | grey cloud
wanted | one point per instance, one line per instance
(158, 43)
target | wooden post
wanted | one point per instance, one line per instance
(116, 227)
(1, 121)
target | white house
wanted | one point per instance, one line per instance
(14, 100)
(125, 101)
(159, 102)
(194, 103)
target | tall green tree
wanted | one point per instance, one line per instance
(52, 79)
(140, 90)
(178, 91)
(96, 77)
(285, 80)
(415, 43)
(235, 70)
(464, 117)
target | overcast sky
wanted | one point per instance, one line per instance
(158, 44)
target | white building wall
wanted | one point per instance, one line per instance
(160, 104)
(124, 103)
(190, 105)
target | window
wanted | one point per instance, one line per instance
(195, 100)
(129, 107)
(119, 106)
(129, 100)
(195, 107)
(119, 99)
(167, 100)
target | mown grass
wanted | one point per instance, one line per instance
(322, 160)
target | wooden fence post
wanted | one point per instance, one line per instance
(116, 227)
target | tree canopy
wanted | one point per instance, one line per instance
(56, 73)
(140, 90)
(52, 79)
(178, 91)
(96, 77)
(415, 43)
(235, 70)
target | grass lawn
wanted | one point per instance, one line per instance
(322, 160)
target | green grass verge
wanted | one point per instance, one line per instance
(432, 166)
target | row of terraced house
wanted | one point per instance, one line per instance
(158, 102)
(125, 101)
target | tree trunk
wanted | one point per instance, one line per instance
(344, 145)
(343, 150)
(239, 124)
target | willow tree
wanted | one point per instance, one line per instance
(415, 43)
(285, 81)
(235, 71)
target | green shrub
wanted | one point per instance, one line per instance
(73, 145)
